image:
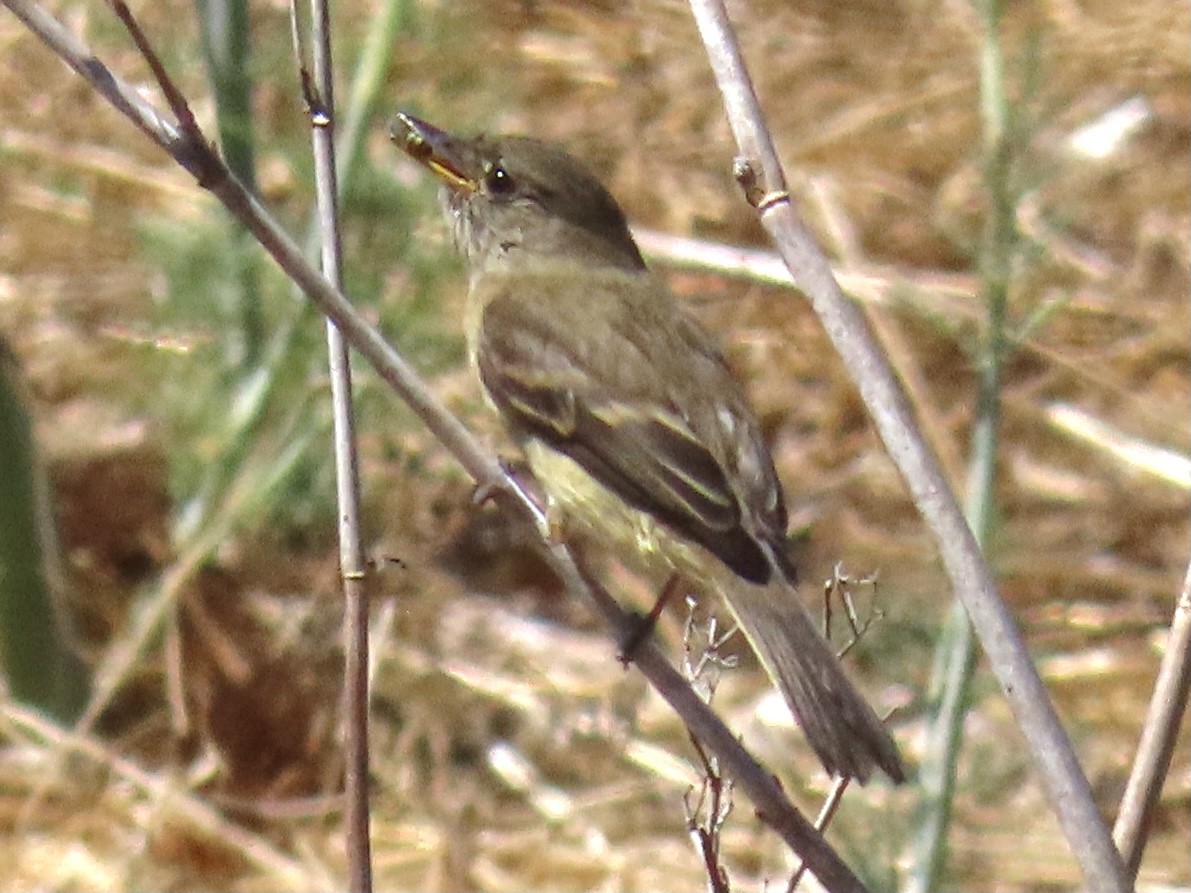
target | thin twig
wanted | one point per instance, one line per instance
(826, 813)
(706, 816)
(1158, 735)
(761, 173)
(839, 585)
(193, 152)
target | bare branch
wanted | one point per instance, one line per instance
(320, 102)
(760, 173)
(1158, 735)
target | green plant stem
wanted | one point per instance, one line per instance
(955, 660)
(40, 668)
(226, 35)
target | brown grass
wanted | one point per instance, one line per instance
(511, 751)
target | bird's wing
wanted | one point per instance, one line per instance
(595, 396)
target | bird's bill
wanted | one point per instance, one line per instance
(434, 148)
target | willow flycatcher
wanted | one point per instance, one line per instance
(627, 413)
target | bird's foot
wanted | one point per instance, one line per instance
(645, 623)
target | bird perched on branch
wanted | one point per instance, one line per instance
(627, 413)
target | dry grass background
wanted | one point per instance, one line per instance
(511, 751)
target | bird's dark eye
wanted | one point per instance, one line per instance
(497, 180)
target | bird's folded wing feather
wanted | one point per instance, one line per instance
(615, 417)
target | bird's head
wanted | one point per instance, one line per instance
(513, 199)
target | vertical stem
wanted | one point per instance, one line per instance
(351, 553)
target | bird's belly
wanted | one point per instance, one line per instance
(635, 537)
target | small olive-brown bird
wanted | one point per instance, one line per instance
(628, 415)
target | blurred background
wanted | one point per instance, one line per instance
(1012, 198)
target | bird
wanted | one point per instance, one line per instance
(630, 419)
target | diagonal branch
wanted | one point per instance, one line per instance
(764, 180)
(1158, 736)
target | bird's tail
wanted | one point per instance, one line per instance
(848, 737)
